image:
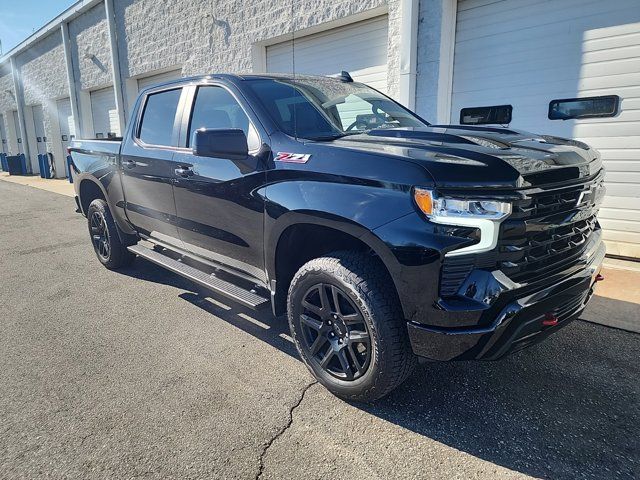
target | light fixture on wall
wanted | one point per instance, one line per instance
(88, 55)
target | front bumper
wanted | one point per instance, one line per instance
(517, 325)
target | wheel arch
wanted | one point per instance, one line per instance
(90, 189)
(301, 237)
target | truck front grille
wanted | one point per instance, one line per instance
(547, 232)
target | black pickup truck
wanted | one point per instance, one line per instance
(382, 237)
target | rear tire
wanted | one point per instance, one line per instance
(353, 337)
(105, 238)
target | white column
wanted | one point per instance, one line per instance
(445, 69)
(71, 81)
(408, 52)
(17, 88)
(115, 65)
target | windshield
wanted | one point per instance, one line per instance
(326, 108)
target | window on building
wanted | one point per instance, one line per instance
(586, 107)
(498, 114)
(215, 107)
(158, 118)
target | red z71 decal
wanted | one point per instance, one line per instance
(292, 157)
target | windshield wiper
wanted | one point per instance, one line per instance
(325, 138)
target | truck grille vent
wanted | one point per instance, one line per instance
(547, 232)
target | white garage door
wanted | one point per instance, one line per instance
(4, 147)
(38, 125)
(159, 78)
(526, 54)
(16, 125)
(104, 113)
(65, 120)
(359, 48)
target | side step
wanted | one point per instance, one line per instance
(217, 285)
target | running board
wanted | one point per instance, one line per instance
(217, 285)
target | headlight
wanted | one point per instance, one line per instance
(435, 207)
(485, 215)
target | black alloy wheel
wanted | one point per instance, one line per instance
(100, 235)
(335, 334)
(105, 238)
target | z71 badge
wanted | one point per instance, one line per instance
(292, 157)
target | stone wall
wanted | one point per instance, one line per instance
(202, 36)
(91, 50)
(44, 80)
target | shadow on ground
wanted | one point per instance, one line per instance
(567, 408)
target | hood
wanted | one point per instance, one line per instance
(479, 157)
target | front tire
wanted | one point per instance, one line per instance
(104, 236)
(348, 327)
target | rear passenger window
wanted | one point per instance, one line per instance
(215, 107)
(158, 118)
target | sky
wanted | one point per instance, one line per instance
(20, 18)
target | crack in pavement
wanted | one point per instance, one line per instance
(282, 430)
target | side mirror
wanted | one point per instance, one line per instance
(229, 143)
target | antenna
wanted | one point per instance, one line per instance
(345, 77)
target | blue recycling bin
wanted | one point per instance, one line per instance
(45, 168)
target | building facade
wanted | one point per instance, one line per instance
(80, 74)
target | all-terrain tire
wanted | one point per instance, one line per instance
(104, 236)
(369, 287)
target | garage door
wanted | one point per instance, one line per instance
(527, 53)
(38, 125)
(65, 120)
(359, 48)
(4, 146)
(16, 125)
(156, 79)
(104, 113)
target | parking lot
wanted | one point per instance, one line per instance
(139, 373)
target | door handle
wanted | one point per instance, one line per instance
(184, 171)
(128, 163)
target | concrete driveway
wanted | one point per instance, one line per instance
(141, 374)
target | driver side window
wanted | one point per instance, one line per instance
(215, 107)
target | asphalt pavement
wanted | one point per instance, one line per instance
(140, 373)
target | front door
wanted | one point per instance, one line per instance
(147, 166)
(218, 205)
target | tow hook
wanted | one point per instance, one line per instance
(550, 320)
(599, 277)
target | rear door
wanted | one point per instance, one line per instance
(147, 166)
(219, 208)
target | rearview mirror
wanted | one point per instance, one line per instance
(229, 143)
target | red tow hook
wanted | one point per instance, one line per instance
(550, 320)
(599, 277)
